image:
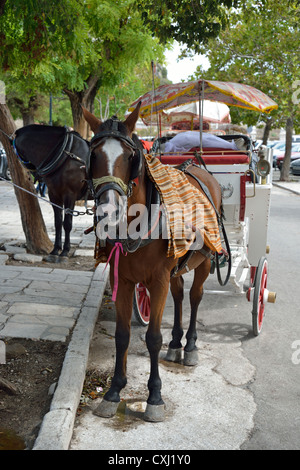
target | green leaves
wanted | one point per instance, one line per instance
(190, 22)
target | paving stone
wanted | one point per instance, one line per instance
(45, 320)
(20, 330)
(26, 308)
(28, 258)
(9, 289)
(3, 306)
(89, 253)
(3, 259)
(56, 294)
(36, 299)
(56, 286)
(56, 334)
(15, 282)
(13, 249)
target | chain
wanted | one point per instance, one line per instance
(74, 213)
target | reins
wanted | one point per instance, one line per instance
(10, 137)
(73, 212)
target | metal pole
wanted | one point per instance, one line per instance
(201, 109)
(50, 110)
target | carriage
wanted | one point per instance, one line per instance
(244, 174)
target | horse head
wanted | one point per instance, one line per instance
(116, 162)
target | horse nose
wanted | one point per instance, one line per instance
(108, 213)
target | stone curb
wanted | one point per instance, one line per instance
(281, 186)
(57, 426)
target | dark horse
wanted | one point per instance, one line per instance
(57, 157)
(116, 161)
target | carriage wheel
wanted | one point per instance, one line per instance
(260, 284)
(141, 304)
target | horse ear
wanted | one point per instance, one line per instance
(132, 118)
(91, 120)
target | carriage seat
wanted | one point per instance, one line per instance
(230, 149)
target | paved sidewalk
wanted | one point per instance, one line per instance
(292, 186)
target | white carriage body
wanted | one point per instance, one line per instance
(246, 206)
(247, 209)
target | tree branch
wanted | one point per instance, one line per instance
(2, 6)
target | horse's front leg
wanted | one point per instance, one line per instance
(155, 410)
(124, 302)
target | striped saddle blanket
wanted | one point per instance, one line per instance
(191, 219)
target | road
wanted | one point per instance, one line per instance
(276, 387)
(244, 394)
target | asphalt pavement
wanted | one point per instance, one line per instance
(211, 402)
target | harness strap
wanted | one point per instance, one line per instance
(115, 134)
(46, 168)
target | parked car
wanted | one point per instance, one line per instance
(4, 170)
(294, 156)
(295, 167)
(278, 148)
(272, 143)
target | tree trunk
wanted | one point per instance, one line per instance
(84, 98)
(28, 117)
(26, 107)
(285, 169)
(267, 130)
(34, 228)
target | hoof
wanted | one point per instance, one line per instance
(154, 413)
(106, 409)
(51, 258)
(190, 358)
(173, 355)
(63, 259)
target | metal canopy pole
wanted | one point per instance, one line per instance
(201, 110)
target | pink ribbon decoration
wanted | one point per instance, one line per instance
(118, 246)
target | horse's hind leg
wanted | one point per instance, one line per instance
(58, 233)
(67, 228)
(196, 294)
(175, 346)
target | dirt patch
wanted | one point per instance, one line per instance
(31, 368)
(80, 263)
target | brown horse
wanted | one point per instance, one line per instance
(116, 161)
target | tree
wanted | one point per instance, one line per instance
(32, 221)
(187, 21)
(259, 49)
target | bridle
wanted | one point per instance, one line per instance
(113, 182)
